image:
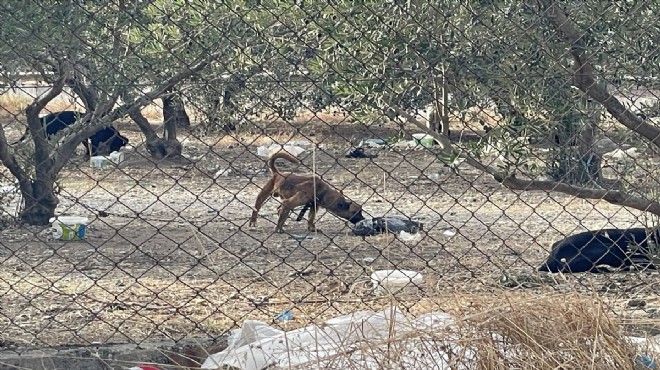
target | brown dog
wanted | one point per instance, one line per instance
(298, 190)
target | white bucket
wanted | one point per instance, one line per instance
(396, 281)
(69, 227)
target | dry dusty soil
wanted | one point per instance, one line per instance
(174, 256)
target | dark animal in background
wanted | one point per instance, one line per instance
(590, 251)
(299, 190)
(103, 142)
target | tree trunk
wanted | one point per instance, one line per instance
(575, 161)
(174, 111)
(439, 115)
(39, 202)
(157, 147)
(88, 94)
(590, 160)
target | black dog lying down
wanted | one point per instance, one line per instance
(590, 251)
(104, 142)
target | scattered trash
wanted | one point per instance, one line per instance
(301, 143)
(621, 154)
(449, 233)
(373, 143)
(433, 176)
(9, 189)
(261, 171)
(645, 362)
(117, 157)
(267, 151)
(424, 140)
(301, 237)
(396, 281)
(100, 161)
(143, 367)
(605, 145)
(259, 300)
(392, 224)
(69, 227)
(636, 303)
(211, 167)
(224, 172)
(368, 259)
(408, 237)
(406, 144)
(358, 153)
(284, 316)
(306, 272)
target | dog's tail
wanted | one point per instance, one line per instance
(281, 154)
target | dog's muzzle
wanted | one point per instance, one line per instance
(356, 218)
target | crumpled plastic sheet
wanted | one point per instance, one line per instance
(361, 340)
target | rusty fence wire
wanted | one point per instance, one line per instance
(453, 142)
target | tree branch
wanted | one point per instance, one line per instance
(584, 76)
(610, 196)
(511, 182)
(41, 152)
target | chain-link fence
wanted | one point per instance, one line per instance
(452, 142)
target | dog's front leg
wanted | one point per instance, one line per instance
(310, 221)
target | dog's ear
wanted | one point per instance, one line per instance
(343, 205)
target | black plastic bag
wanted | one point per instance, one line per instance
(391, 224)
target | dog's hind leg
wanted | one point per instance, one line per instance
(287, 205)
(261, 198)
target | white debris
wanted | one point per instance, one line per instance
(223, 172)
(410, 237)
(449, 233)
(620, 154)
(267, 151)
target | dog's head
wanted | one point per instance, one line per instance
(348, 210)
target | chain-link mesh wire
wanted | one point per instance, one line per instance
(543, 126)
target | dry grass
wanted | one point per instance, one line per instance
(12, 104)
(568, 331)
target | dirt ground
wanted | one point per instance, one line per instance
(175, 257)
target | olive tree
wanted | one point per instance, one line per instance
(95, 47)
